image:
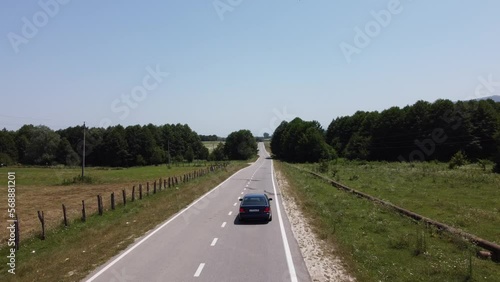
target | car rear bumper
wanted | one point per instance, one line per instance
(261, 216)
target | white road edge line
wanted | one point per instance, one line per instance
(223, 224)
(158, 229)
(288, 253)
(198, 271)
(214, 242)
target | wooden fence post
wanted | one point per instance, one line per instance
(64, 215)
(84, 214)
(99, 204)
(42, 221)
(154, 187)
(133, 193)
(147, 188)
(140, 191)
(113, 200)
(124, 196)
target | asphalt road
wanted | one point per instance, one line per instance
(206, 242)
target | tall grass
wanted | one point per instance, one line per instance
(466, 197)
(378, 244)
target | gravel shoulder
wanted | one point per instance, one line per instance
(322, 266)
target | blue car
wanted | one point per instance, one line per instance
(255, 206)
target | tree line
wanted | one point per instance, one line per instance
(117, 146)
(114, 146)
(419, 132)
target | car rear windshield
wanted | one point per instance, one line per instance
(255, 200)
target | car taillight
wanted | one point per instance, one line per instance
(267, 209)
(242, 210)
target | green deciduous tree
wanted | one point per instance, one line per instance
(8, 147)
(218, 153)
(301, 141)
(65, 154)
(240, 145)
(42, 146)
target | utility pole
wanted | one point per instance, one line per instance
(83, 155)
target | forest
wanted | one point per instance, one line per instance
(115, 146)
(420, 132)
(118, 146)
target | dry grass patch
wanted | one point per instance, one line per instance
(69, 254)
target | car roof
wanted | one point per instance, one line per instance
(255, 195)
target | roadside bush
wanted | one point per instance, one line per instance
(323, 166)
(79, 180)
(459, 159)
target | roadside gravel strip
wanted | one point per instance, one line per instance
(322, 267)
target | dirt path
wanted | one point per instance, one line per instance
(321, 266)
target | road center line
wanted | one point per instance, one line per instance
(125, 253)
(235, 204)
(214, 242)
(230, 213)
(198, 271)
(223, 224)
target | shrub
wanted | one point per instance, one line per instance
(323, 166)
(459, 159)
(79, 180)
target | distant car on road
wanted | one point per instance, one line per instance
(255, 206)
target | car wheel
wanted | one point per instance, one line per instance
(271, 218)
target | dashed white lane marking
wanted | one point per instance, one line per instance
(198, 271)
(230, 213)
(223, 225)
(242, 193)
(108, 266)
(244, 189)
(214, 242)
(235, 204)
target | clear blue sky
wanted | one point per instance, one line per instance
(246, 67)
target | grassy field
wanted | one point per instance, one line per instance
(42, 189)
(56, 176)
(211, 145)
(467, 198)
(68, 254)
(378, 244)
